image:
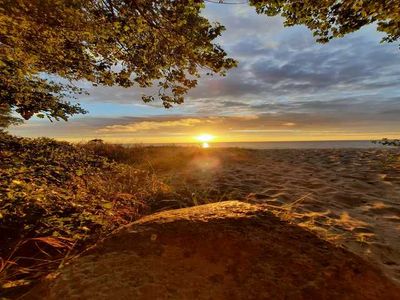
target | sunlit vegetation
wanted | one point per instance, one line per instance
(388, 142)
(329, 19)
(185, 170)
(57, 199)
(391, 158)
(160, 43)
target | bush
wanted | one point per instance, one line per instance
(388, 142)
(58, 198)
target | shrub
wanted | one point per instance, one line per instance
(58, 198)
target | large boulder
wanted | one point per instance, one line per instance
(226, 250)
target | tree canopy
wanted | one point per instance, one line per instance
(106, 42)
(6, 118)
(328, 19)
(46, 46)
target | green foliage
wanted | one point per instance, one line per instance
(388, 142)
(55, 191)
(105, 42)
(329, 19)
(390, 159)
(6, 118)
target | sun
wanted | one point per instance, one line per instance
(205, 137)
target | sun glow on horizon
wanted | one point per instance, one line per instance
(205, 137)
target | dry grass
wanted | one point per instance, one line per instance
(316, 222)
(58, 199)
(176, 168)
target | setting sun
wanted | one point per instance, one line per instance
(205, 137)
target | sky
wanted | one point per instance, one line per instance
(286, 88)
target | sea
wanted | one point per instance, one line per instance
(285, 145)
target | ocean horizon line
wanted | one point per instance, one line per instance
(337, 144)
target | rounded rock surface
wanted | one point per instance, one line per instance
(227, 250)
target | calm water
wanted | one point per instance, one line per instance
(301, 145)
(291, 145)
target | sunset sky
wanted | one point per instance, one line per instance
(285, 88)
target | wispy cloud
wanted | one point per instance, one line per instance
(151, 125)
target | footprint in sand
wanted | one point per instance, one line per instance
(366, 229)
(380, 208)
(392, 218)
(272, 191)
(314, 184)
(349, 199)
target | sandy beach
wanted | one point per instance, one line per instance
(350, 197)
(347, 197)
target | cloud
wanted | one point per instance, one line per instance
(279, 66)
(282, 125)
(285, 84)
(152, 125)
